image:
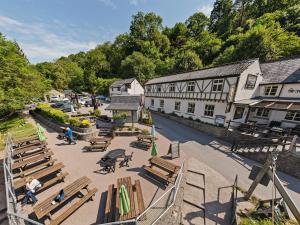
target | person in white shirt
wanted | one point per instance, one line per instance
(31, 186)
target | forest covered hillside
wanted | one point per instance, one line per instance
(243, 29)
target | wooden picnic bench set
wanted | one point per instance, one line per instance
(145, 141)
(162, 170)
(35, 160)
(112, 202)
(99, 144)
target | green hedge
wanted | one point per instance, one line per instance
(56, 114)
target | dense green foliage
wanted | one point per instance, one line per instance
(20, 82)
(236, 30)
(55, 114)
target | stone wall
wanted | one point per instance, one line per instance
(79, 133)
(288, 163)
(218, 132)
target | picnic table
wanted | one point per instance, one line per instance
(145, 138)
(112, 205)
(108, 161)
(94, 141)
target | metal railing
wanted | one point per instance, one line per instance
(14, 217)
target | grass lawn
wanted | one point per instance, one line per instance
(17, 126)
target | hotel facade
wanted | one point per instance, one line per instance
(244, 91)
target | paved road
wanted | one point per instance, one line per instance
(216, 154)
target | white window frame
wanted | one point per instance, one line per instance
(158, 88)
(217, 85)
(161, 103)
(177, 106)
(292, 115)
(190, 86)
(152, 102)
(148, 88)
(172, 87)
(209, 110)
(269, 90)
(261, 112)
(191, 107)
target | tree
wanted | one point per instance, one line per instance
(145, 26)
(20, 82)
(187, 61)
(139, 66)
(196, 24)
(221, 18)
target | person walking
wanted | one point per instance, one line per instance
(69, 135)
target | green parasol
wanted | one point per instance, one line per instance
(154, 149)
(41, 133)
(124, 201)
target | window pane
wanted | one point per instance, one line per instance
(289, 115)
(239, 111)
(161, 103)
(297, 117)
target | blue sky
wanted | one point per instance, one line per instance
(48, 29)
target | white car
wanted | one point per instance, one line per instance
(54, 99)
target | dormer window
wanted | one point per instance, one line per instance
(172, 87)
(191, 86)
(271, 90)
(217, 85)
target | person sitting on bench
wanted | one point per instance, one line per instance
(31, 186)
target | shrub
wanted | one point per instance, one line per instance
(55, 114)
(145, 132)
(97, 112)
(85, 123)
(119, 116)
(74, 122)
(130, 128)
(136, 129)
(198, 120)
(190, 118)
(91, 112)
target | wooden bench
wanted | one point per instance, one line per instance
(46, 208)
(24, 141)
(112, 203)
(31, 160)
(98, 147)
(33, 169)
(20, 152)
(55, 168)
(95, 141)
(159, 175)
(35, 143)
(58, 178)
(164, 164)
(145, 138)
(38, 151)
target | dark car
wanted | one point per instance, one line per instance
(57, 104)
(89, 103)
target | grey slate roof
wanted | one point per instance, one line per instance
(220, 71)
(124, 102)
(120, 83)
(283, 71)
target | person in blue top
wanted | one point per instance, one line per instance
(69, 135)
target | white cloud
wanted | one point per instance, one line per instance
(109, 3)
(206, 9)
(136, 2)
(39, 43)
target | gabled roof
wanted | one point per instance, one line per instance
(283, 71)
(125, 102)
(235, 68)
(120, 83)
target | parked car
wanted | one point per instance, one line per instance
(58, 104)
(67, 107)
(89, 103)
(54, 99)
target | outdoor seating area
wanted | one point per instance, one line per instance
(32, 160)
(113, 203)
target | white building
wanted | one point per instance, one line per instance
(126, 87)
(240, 91)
